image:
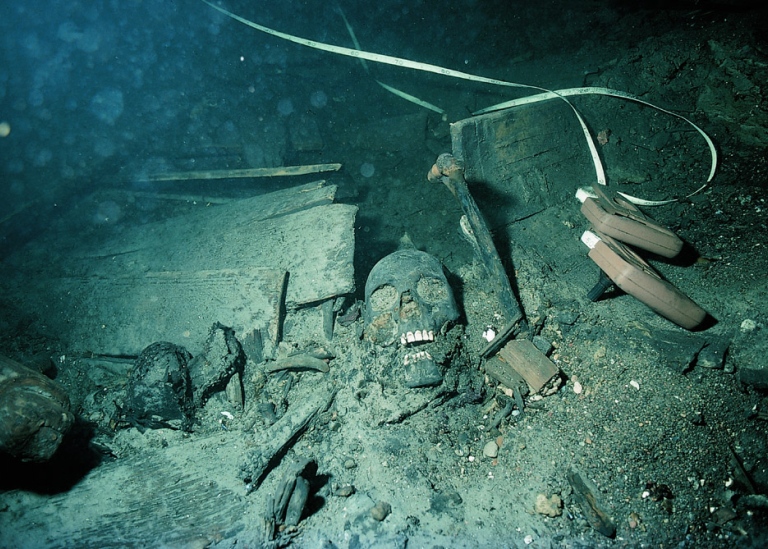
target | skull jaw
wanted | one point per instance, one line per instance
(421, 371)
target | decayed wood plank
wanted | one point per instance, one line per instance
(452, 175)
(172, 279)
(519, 154)
(120, 315)
(186, 495)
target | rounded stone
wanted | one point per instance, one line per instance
(381, 510)
(491, 449)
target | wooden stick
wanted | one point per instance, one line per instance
(243, 173)
(452, 176)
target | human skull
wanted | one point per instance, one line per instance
(407, 297)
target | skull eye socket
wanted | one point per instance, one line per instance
(384, 297)
(432, 290)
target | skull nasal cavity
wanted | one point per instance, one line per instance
(409, 308)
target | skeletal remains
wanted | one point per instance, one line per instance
(408, 299)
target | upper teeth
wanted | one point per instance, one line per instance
(418, 335)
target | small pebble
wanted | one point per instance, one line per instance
(345, 491)
(350, 464)
(748, 326)
(491, 449)
(381, 510)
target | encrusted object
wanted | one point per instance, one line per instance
(159, 388)
(34, 412)
(222, 357)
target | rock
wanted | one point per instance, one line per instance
(345, 491)
(749, 357)
(551, 507)
(491, 449)
(381, 510)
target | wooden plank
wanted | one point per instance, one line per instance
(533, 365)
(121, 315)
(186, 495)
(517, 159)
(173, 279)
(503, 373)
(283, 171)
(300, 232)
(480, 237)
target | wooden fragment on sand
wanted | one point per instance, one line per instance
(528, 361)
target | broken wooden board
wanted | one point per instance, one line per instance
(314, 244)
(528, 361)
(186, 495)
(173, 279)
(522, 160)
(121, 315)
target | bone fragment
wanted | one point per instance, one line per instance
(273, 443)
(299, 363)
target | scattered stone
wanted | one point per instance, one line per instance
(542, 344)
(550, 507)
(491, 449)
(577, 387)
(749, 358)
(748, 326)
(381, 510)
(350, 464)
(345, 491)
(680, 350)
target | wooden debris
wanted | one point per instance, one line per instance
(276, 440)
(529, 362)
(284, 171)
(234, 391)
(584, 492)
(505, 374)
(447, 170)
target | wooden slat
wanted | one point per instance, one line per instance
(529, 362)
